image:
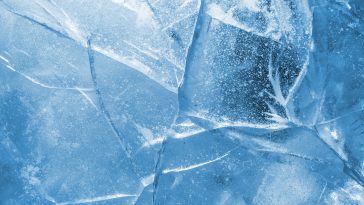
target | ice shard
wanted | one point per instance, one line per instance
(181, 102)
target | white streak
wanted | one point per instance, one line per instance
(134, 64)
(216, 12)
(152, 142)
(45, 85)
(4, 59)
(11, 68)
(322, 192)
(182, 169)
(97, 199)
(148, 53)
(87, 97)
(129, 61)
(147, 180)
(178, 20)
(298, 81)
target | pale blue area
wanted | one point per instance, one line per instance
(182, 102)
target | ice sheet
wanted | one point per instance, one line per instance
(181, 102)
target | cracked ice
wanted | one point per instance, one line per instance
(181, 102)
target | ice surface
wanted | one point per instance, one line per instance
(181, 102)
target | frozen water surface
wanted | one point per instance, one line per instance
(182, 102)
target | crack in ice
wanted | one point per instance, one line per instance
(71, 35)
(188, 58)
(348, 169)
(87, 98)
(182, 169)
(216, 12)
(44, 25)
(97, 199)
(45, 85)
(341, 116)
(101, 101)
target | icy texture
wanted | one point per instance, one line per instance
(181, 102)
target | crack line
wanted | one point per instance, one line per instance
(348, 169)
(190, 51)
(45, 85)
(101, 101)
(108, 53)
(182, 169)
(97, 199)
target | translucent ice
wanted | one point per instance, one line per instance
(181, 102)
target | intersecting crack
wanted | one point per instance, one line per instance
(190, 51)
(106, 52)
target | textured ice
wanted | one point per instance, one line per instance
(181, 102)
